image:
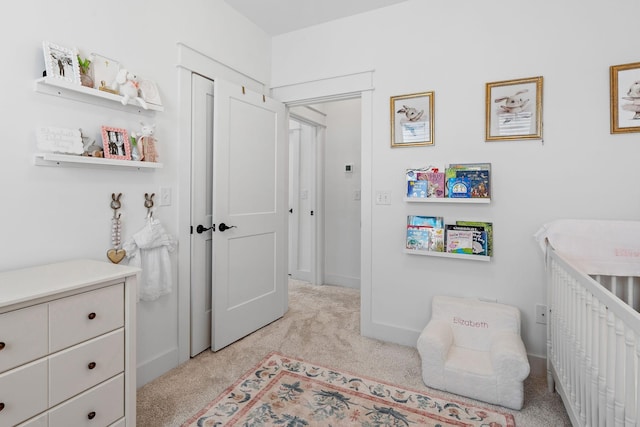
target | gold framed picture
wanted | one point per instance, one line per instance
(412, 119)
(624, 85)
(514, 109)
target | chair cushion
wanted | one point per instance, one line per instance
(469, 373)
(474, 322)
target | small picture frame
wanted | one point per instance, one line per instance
(624, 82)
(61, 63)
(412, 119)
(514, 109)
(115, 142)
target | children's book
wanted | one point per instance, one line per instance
(418, 238)
(479, 244)
(488, 227)
(458, 241)
(435, 180)
(417, 189)
(478, 180)
(436, 239)
(412, 174)
(459, 187)
(425, 221)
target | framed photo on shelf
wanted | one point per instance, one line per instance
(624, 84)
(61, 62)
(514, 109)
(412, 119)
(115, 142)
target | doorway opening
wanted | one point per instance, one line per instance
(325, 192)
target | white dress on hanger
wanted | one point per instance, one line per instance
(149, 250)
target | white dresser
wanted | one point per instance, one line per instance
(67, 345)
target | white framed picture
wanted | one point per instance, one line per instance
(61, 62)
(105, 71)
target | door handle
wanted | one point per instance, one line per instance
(224, 226)
(200, 228)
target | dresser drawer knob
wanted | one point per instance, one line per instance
(91, 365)
(2, 345)
(91, 316)
(1, 406)
(91, 415)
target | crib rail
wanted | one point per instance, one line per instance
(593, 344)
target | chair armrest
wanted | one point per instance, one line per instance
(435, 341)
(509, 357)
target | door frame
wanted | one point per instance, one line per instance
(191, 61)
(348, 86)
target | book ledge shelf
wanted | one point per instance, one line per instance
(68, 160)
(75, 92)
(447, 255)
(478, 200)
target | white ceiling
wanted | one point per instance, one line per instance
(282, 16)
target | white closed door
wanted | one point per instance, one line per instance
(249, 200)
(201, 219)
(302, 195)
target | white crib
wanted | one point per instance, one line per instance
(593, 344)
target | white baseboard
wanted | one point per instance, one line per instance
(391, 333)
(345, 281)
(538, 365)
(152, 369)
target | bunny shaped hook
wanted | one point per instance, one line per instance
(148, 203)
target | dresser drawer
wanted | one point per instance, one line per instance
(39, 421)
(81, 317)
(98, 407)
(23, 392)
(23, 336)
(78, 368)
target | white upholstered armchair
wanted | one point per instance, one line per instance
(473, 348)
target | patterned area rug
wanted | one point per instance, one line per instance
(282, 391)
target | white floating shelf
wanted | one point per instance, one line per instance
(472, 200)
(448, 255)
(67, 160)
(57, 87)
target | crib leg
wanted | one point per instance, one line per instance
(551, 385)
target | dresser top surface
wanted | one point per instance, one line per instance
(42, 281)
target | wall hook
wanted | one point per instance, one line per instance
(115, 204)
(148, 203)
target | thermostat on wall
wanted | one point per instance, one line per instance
(348, 167)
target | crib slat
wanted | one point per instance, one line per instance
(611, 369)
(619, 386)
(602, 379)
(631, 372)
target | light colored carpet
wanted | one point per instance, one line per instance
(322, 326)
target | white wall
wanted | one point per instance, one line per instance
(51, 214)
(454, 48)
(341, 203)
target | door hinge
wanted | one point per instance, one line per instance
(191, 231)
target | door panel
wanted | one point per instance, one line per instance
(201, 211)
(250, 195)
(303, 146)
